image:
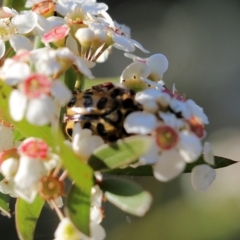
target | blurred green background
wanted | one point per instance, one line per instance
(201, 39)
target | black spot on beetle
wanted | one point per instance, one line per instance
(101, 129)
(88, 102)
(72, 102)
(87, 125)
(127, 103)
(102, 103)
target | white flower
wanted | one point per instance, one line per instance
(30, 171)
(7, 187)
(11, 70)
(33, 153)
(208, 153)
(140, 122)
(158, 64)
(11, 30)
(132, 76)
(65, 6)
(67, 231)
(6, 138)
(173, 149)
(84, 143)
(202, 177)
(58, 61)
(9, 167)
(119, 35)
(32, 99)
(152, 98)
(169, 165)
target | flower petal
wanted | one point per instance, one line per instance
(158, 64)
(13, 71)
(25, 22)
(6, 138)
(190, 147)
(61, 92)
(19, 42)
(135, 70)
(140, 123)
(139, 46)
(40, 111)
(169, 166)
(17, 105)
(202, 177)
(123, 43)
(2, 48)
(208, 154)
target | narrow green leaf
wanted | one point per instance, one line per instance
(78, 208)
(127, 195)
(220, 162)
(146, 170)
(26, 217)
(4, 204)
(70, 78)
(120, 154)
(4, 201)
(77, 169)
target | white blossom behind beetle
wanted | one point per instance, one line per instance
(176, 141)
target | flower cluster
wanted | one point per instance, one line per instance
(26, 168)
(175, 123)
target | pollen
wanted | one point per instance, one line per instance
(7, 30)
(50, 187)
(166, 137)
(35, 148)
(36, 85)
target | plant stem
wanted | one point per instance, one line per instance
(80, 81)
(58, 211)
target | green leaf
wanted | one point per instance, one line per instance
(91, 82)
(70, 78)
(26, 217)
(146, 170)
(4, 204)
(17, 5)
(82, 175)
(121, 153)
(127, 195)
(220, 162)
(78, 209)
(77, 169)
(17, 136)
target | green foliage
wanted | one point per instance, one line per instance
(146, 170)
(78, 209)
(119, 154)
(17, 5)
(126, 195)
(4, 204)
(27, 216)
